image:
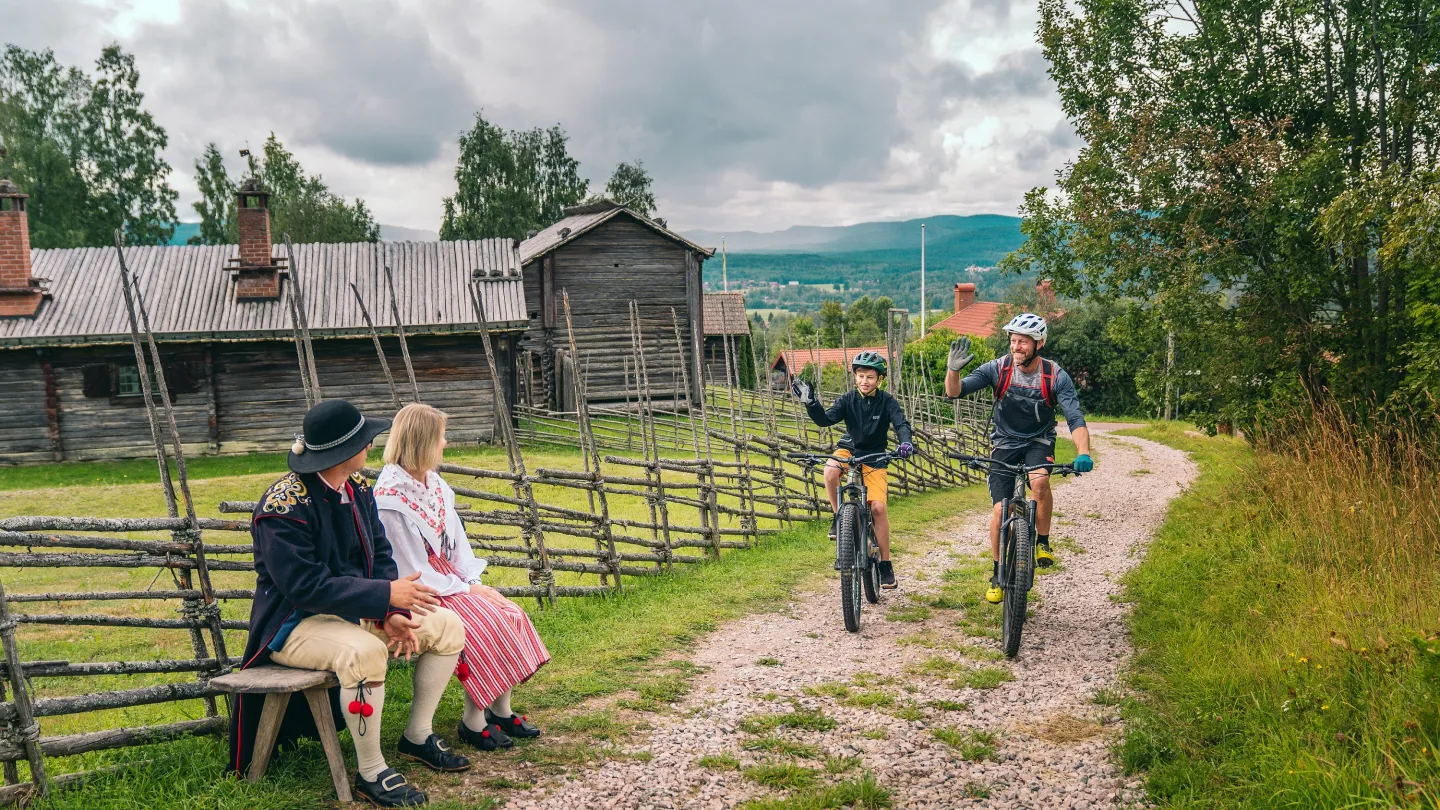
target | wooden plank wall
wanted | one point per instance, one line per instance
(250, 399)
(603, 270)
(24, 434)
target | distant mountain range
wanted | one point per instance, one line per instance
(871, 257)
(982, 234)
(388, 233)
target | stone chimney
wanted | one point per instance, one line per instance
(964, 295)
(257, 275)
(1045, 293)
(20, 292)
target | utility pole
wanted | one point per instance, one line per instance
(724, 272)
(924, 305)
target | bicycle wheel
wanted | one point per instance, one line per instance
(847, 536)
(1020, 559)
(871, 579)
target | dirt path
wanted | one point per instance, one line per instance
(916, 698)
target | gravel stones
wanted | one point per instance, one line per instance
(898, 706)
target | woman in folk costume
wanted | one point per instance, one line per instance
(417, 508)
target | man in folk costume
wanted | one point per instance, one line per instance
(417, 506)
(328, 596)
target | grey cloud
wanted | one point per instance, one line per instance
(361, 78)
(1039, 149)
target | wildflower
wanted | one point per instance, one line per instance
(1325, 707)
(1319, 666)
(1303, 659)
(1362, 649)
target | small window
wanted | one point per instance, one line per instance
(127, 381)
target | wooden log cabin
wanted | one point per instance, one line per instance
(604, 256)
(69, 385)
(725, 321)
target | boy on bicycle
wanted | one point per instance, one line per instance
(868, 414)
(1027, 390)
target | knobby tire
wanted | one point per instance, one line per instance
(1017, 590)
(847, 535)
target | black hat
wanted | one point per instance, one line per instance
(335, 430)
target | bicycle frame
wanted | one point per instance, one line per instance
(1018, 495)
(852, 490)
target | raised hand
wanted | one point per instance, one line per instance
(407, 593)
(802, 391)
(960, 355)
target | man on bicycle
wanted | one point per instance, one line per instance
(868, 414)
(1027, 390)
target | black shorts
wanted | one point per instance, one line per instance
(1002, 484)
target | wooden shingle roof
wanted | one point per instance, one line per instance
(581, 218)
(190, 294)
(725, 314)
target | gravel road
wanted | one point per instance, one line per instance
(908, 696)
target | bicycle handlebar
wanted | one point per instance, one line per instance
(983, 462)
(871, 458)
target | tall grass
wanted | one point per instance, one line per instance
(1286, 621)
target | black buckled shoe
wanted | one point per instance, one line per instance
(834, 524)
(515, 725)
(389, 790)
(489, 738)
(433, 754)
(887, 575)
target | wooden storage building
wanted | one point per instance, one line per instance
(605, 256)
(725, 320)
(68, 379)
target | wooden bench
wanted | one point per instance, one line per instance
(277, 684)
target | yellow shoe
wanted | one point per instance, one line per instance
(994, 596)
(1043, 557)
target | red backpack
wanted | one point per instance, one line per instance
(1047, 379)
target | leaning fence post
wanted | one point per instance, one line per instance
(379, 349)
(27, 731)
(587, 443)
(400, 333)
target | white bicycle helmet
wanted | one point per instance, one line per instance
(1028, 323)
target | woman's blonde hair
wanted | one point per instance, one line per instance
(415, 437)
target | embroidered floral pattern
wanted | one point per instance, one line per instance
(284, 495)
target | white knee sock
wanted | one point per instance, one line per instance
(432, 675)
(474, 715)
(500, 707)
(367, 741)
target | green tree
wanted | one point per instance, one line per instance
(508, 184)
(216, 205)
(302, 206)
(630, 186)
(832, 318)
(1218, 138)
(129, 181)
(85, 150)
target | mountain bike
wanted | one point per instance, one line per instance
(857, 554)
(1017, 542)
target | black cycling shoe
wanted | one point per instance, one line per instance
(433, 754)
(515, 725)
(887, 575)
(490, 738)
(389, 790)
(834, 524)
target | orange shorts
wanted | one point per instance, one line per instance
(876, 484)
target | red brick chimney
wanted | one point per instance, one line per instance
(964, 295)
(257, 275)
(20, 292)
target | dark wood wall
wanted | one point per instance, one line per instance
(239, 397)
(603, 270)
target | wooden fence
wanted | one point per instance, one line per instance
(663, 483)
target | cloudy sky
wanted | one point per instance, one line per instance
(750, 114)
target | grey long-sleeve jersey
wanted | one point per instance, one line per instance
(1023, 416)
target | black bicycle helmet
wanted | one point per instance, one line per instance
(868, 360)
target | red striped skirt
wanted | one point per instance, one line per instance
(502, 649)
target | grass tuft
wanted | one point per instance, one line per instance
(719, 762)
(784, 776)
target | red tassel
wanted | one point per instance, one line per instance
(354, 707)
(485, 733)
(366, 710)
(463, 670)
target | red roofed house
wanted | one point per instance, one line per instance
(789, 363)
(978, 318)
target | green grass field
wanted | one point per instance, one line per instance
(1285, 624)
(632, 644)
